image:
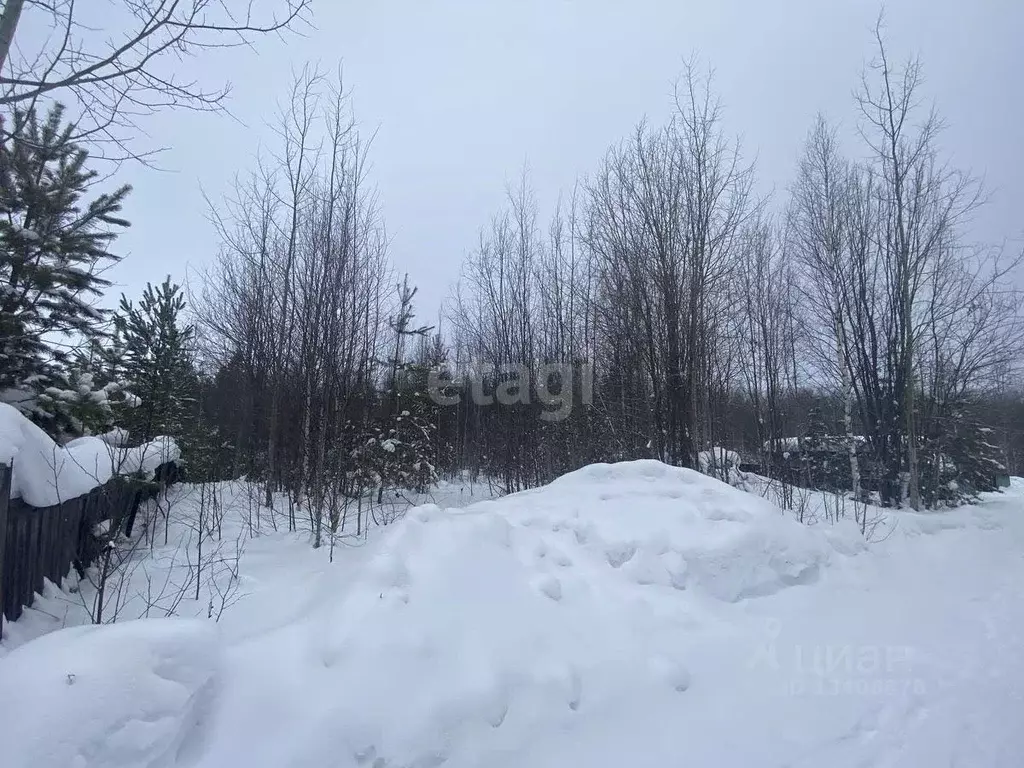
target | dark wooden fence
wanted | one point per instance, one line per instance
(38, 543)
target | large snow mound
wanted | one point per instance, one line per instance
(671, 526)
(130, 695)
(45, 474)
(472, 631)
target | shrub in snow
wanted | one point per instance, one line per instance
(393, 454)
(721, 463)
(824, 458)
(717, 460)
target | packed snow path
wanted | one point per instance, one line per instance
(626, 615)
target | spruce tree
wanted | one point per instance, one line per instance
(960, 456)
(54, 245)
(157, 360)
(406, 446)
(825, 456)
(95, 395)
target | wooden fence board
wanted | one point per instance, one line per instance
(43, 544)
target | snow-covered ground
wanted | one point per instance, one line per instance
(625, 615)
(204, 551)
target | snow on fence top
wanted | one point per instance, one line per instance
(45, 474)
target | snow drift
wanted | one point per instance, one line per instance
(668, 526)
(46, 474)
(117, 696)
(472, 632)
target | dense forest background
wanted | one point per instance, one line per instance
(843, 333)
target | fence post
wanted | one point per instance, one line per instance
(5, 497)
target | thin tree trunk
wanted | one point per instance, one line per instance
(8, 26)
(848, 411)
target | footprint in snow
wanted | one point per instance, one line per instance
(366, 755)
(551, 587)
(675, 564)
(672, 672)
(575, 689)
(568, 679)
(559, 558)
(552, 555)
(494, 705)
(648, 569)
(619, 554)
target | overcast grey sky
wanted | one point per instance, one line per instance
(463, 92)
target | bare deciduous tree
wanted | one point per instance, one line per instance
(54, 49)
